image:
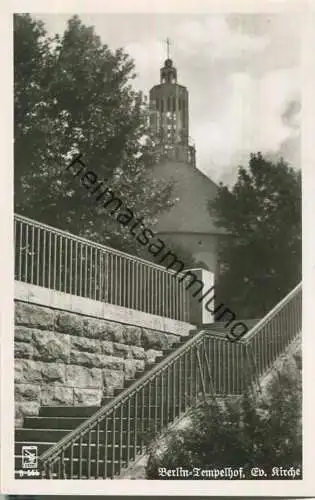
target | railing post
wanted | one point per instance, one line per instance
(199, 284)
(106, 277)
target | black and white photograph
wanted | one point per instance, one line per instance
(157, 250)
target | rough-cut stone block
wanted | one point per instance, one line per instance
(36, 372)
(96, 360)
(152, 339)
(113, 363)
(26, 408)
(132, 335)
(107, 347)
(81, 376)
(138, 352)
(87, 397)
(70, 323)
(122, 350)
(84, 359)
(112, 380)
(53, 372)
(84, 344)
(23, 350)
(34, 316)
(132, 366)
(95, 328)
(112, 331)
(50, 346)
(56, 395)
(22, 334)
(27, 372)
(26, 392)
(151, 355)
(128, 351)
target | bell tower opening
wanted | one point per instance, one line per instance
(169, 115)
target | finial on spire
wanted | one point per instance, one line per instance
(168, 43)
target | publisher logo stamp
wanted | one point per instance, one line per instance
(29, 457)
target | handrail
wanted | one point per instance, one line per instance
(94, 244)
(59, 260)
(273, 334)
(128, 391)
(252, 332)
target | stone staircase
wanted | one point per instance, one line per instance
(54, 422)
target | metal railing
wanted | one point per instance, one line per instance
(118, 432)
(207, 364)
(273, 334)
(52, 258)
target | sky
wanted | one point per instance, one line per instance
(242, 72)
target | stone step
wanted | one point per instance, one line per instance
(156, 390)
(129, 409)
(73, 422)
(40, 435)
(68, 411)
(52, 422)
(220, 326)
(35, 436)
(85, 412)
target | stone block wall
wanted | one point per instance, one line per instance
(64, 358)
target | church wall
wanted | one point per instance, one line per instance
(188, 223)
(203, 247)
(192, 191)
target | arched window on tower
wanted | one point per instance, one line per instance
(157, 104)
(162, 105)
(169, 104)
(174, 104)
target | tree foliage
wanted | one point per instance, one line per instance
(247, 433)
(73, 94)
(261, 257)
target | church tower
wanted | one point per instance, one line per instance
(188, 223)
(169, 116)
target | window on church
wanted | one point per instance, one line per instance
(174, 103)
(162, 105)
(169, 104)
(157, 104)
